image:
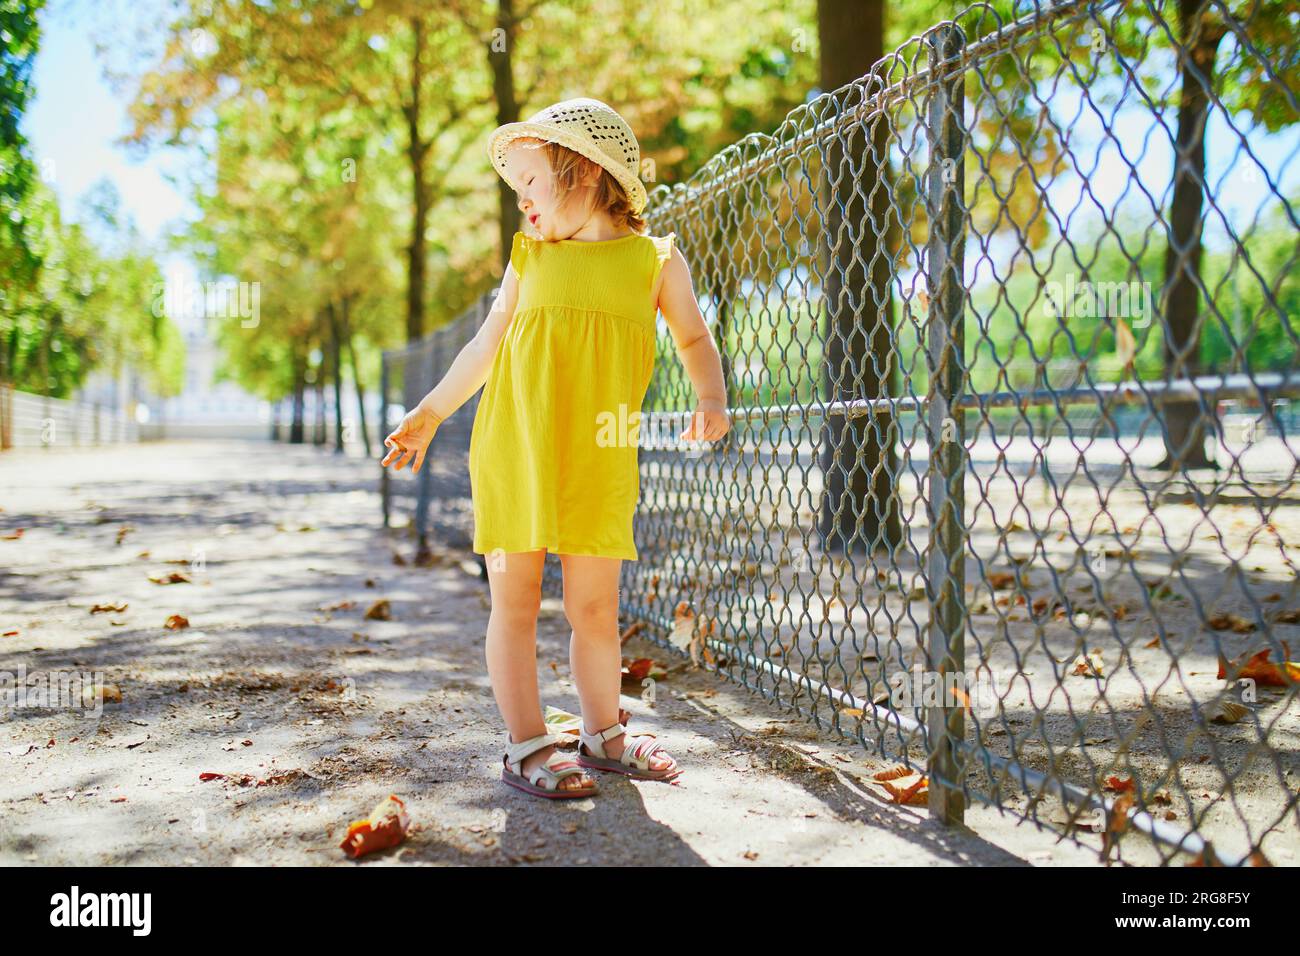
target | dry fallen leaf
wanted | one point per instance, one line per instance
(171, 577)
(175, 622)
(893, 773)
(1090, 665)
(380, 611)
(1207, 857)
(683, 631)
(637, 670)
(112, 693)
(1116, 822)
(1225, 711)
(385, 827)
(243, 779)
(1125, 344)
(1231, 622)
(114, 608)
(1261, 670)
(907, 791)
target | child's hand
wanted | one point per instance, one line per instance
(411, 438)
(710, 421)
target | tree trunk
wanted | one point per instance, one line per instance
(320, 430)
(1184, 421)
(356, 375)
(857, 454)
(297, 426)
(7, 356)
(336, 356)
(416, 150)
(500, 50)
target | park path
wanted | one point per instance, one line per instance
(280, 676)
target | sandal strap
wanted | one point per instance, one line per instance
(516, 752)
(640, 749)
(596, 742)
(553, 769)
(637, 748)
(550, 771)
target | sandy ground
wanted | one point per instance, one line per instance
(280, 676)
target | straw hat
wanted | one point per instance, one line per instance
(585, 126)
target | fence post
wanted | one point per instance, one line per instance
(945, 283)
(383, 433)
(425, 489)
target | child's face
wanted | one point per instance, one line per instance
(535, 189)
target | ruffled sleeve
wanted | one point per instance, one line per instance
(519, 253)
(663, 250)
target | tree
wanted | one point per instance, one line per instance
(859, 358)
(1199, 38)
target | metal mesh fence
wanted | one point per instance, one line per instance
(438, 498)
(1009, 333)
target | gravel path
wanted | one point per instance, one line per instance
(280, 676)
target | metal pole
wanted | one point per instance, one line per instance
(384, 490)
(946, 573)
(425, 488)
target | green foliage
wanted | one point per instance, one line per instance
(19, 40)
(85, 307)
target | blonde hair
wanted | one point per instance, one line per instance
(569, 167)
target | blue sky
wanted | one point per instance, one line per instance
(76, 116)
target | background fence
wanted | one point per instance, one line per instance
(1010, 334)
(439, 496)
(34, 421)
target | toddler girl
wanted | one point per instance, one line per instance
(567, 354)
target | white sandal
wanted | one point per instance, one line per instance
(544, 781)
(635, 759)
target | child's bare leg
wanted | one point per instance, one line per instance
(595, 655)
(512, 650)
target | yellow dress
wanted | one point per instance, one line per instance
(553, 451)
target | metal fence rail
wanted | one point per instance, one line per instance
(38, 421)
(1009, 327)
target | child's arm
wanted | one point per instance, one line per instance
(471, 366)
(695, 348)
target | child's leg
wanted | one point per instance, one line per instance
(595, 654)
(512, 651)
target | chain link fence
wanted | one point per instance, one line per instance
(1010, 338)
